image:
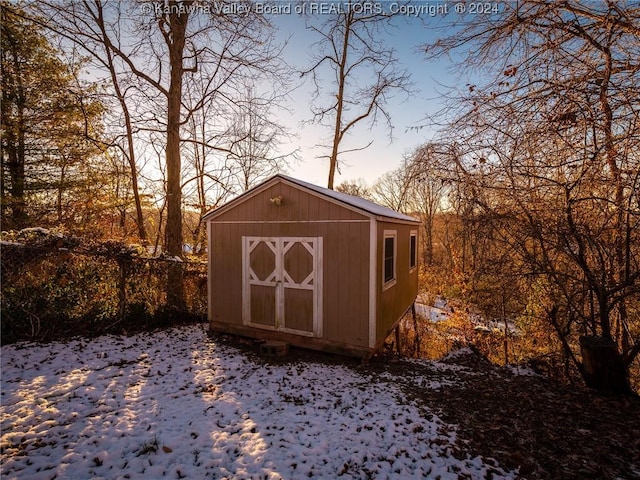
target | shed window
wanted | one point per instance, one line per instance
(413, 249)
(389, 257)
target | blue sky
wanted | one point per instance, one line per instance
(429, 78)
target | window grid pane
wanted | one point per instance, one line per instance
(413, 259)
(388, 258)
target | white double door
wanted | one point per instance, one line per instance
(282, 284)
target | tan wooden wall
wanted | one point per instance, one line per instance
(345, 235)
(394, 301)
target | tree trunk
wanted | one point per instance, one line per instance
(131, 156)
(173, 229)
(603, 367)
(61, 189)
(14, 96)
(428, 240)
(133, 169)
(337, 133)
(15, 154)
(416, 340)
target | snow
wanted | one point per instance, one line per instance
(419, 380)
(38, 230)
(177, 404)
(442, 310)
(7, 243)
(522, 370)
(459, 352)
(497, 325)
(441, 303)
(433, 314)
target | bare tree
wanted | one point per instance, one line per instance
(352, 48)
(398, 188)
(254, 138)
(427, 189)
(553, 136)
(231, 158)
(94, 27)
(357, 188)
(392, 189)
(233, 135)
(176, 47)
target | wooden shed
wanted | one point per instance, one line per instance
(309, 266)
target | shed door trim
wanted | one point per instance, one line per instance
(282, 282)
(373, 282)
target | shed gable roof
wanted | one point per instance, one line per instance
(360, 204)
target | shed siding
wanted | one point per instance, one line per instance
(345, 266)
(395, 300)
(226, 279)
(297, 206)
(356, 313)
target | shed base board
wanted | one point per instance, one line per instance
(296, 340)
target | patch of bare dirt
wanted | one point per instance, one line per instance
(543, 429)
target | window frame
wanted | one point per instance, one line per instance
(413, 256)
(394, 278)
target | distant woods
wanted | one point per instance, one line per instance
(125, 122)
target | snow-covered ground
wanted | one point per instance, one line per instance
(433, 314)
(176, 404)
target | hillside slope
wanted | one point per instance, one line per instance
(542, 429)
